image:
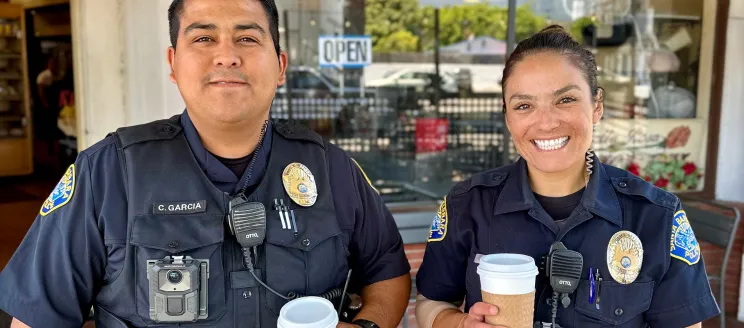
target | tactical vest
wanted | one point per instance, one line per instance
(159, 168)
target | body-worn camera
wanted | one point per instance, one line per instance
(178, 289)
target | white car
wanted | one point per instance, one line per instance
(413, 78)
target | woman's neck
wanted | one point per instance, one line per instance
(558, 184)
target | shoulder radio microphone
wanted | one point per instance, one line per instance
(247, 221)
(563, 268)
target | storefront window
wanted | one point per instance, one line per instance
(656, 108)
(366, 75)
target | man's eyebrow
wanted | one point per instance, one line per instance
(566, 88)
(251, 26)
(199, 26)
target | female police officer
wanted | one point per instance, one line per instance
(633, 235)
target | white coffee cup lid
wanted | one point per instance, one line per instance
(507, 264)
(306, 312)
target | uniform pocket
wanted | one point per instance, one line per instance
(620, 305)
(246, 296)
(311, 263)
(200, 237)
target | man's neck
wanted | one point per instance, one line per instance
(558, 184)
(230, 140)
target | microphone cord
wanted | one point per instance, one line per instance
(249, 264)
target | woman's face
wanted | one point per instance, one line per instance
(550, 112)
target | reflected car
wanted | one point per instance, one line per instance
(421, 80)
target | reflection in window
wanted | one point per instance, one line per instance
(417, 135)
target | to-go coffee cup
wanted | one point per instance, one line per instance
(308, 312)
(508, 282)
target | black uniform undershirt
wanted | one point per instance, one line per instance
(236, 165)
(560, 208)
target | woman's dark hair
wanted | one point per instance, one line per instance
(554, 39)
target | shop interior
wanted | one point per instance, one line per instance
(37, 102)
(37, 112)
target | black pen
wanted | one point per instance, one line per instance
(294, 223)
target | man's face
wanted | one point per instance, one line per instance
(225, 63)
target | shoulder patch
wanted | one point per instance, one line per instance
(61, 194)
(684, 244)
(439, 225)
(365, 175)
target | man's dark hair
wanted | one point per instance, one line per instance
(176, 11)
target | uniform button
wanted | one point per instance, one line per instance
(167, 128)
(247, 294)
(623, 184)
(173, 244)
(306, 242)
(618, 311)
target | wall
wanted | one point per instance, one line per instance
(99, 66)
(150, 94)
(120, 49)
(730, 183)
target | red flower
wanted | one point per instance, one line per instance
(689, 168)
(634, 168)
(647, 178)
(662, 183)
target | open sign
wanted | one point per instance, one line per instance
(344, 51)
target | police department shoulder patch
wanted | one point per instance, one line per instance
(684, 244)
(439, 225)
(61, 194)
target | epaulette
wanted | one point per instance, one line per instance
(491, 178)
(156, 130)
(628, 184)
(295, 131)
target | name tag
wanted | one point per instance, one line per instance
(199, 206)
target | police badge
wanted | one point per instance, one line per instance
(684, 244)
(439, 225)
(61, 194)
(299, 183)
(624, 256)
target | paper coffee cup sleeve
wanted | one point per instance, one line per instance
(515, 311)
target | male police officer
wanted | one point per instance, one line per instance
(143, 225)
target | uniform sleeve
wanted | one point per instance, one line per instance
(51, 279)
(441, 276)
(376, 241)
(683, 297)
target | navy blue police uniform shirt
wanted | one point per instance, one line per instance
(634, 233)
(52, 279)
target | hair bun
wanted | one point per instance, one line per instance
(554, 29)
